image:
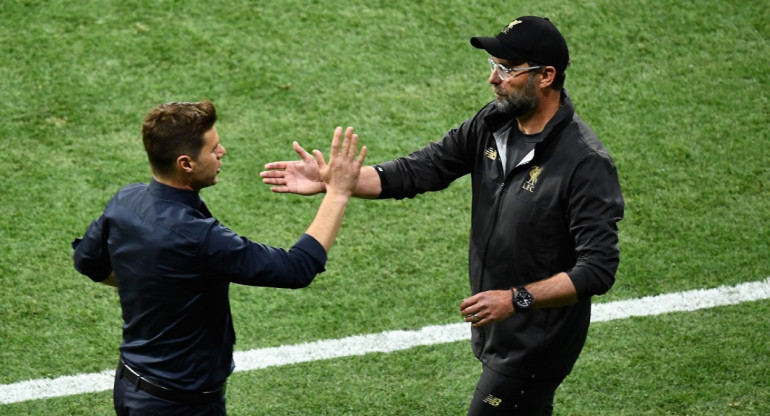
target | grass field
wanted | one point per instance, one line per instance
(678, 92)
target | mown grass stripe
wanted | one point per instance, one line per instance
(390, 341)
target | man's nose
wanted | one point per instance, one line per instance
(494, 78)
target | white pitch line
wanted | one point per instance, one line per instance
(390, 341)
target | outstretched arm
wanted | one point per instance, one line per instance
(339, 179)
(302, 177)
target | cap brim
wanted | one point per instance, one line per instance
(494, 47)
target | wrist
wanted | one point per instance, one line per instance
(522, 300)
(338, 195)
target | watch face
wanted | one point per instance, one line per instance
(523, 299)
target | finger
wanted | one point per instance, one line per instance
(319, 158)
(274, 181)
(470, 310)
(276, 165)
(361, 156)
(272, 174)
(336, 143)
(480, 319)
(467, 302)
(303, 154)
(353, 147)
(280, 189)
(473, 318)
(299, 150)
(350, 144)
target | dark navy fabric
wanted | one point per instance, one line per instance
(174, 263)
(131, 401)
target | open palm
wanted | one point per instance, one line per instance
(298, 177)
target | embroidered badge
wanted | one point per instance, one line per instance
(533, 175)
(491, 153)
(511, 25)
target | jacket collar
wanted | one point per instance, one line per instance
(495, 120)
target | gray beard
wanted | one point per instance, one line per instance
(519, 102)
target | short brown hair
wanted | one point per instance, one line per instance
(174, 129)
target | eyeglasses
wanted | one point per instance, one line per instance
(503, 71)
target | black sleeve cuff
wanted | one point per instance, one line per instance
(385, 193)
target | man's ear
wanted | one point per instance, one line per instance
(548, 76)
(184, 163)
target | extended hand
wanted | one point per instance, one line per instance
(344, 168)
(487, 307)
(339, 177)
(298, 177)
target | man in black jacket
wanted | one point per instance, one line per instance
(546, 203)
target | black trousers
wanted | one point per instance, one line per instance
(129, 400)
(498, 394)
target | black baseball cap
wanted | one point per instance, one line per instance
(529, 39)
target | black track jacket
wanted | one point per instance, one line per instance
(557, 212)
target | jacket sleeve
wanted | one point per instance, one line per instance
(595, 207)
(432, 168)
(91, 257)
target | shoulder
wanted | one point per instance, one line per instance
(131, 189)
(584, 141)
(479, 127)
(127, 192)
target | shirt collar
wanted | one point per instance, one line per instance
(161, 191)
